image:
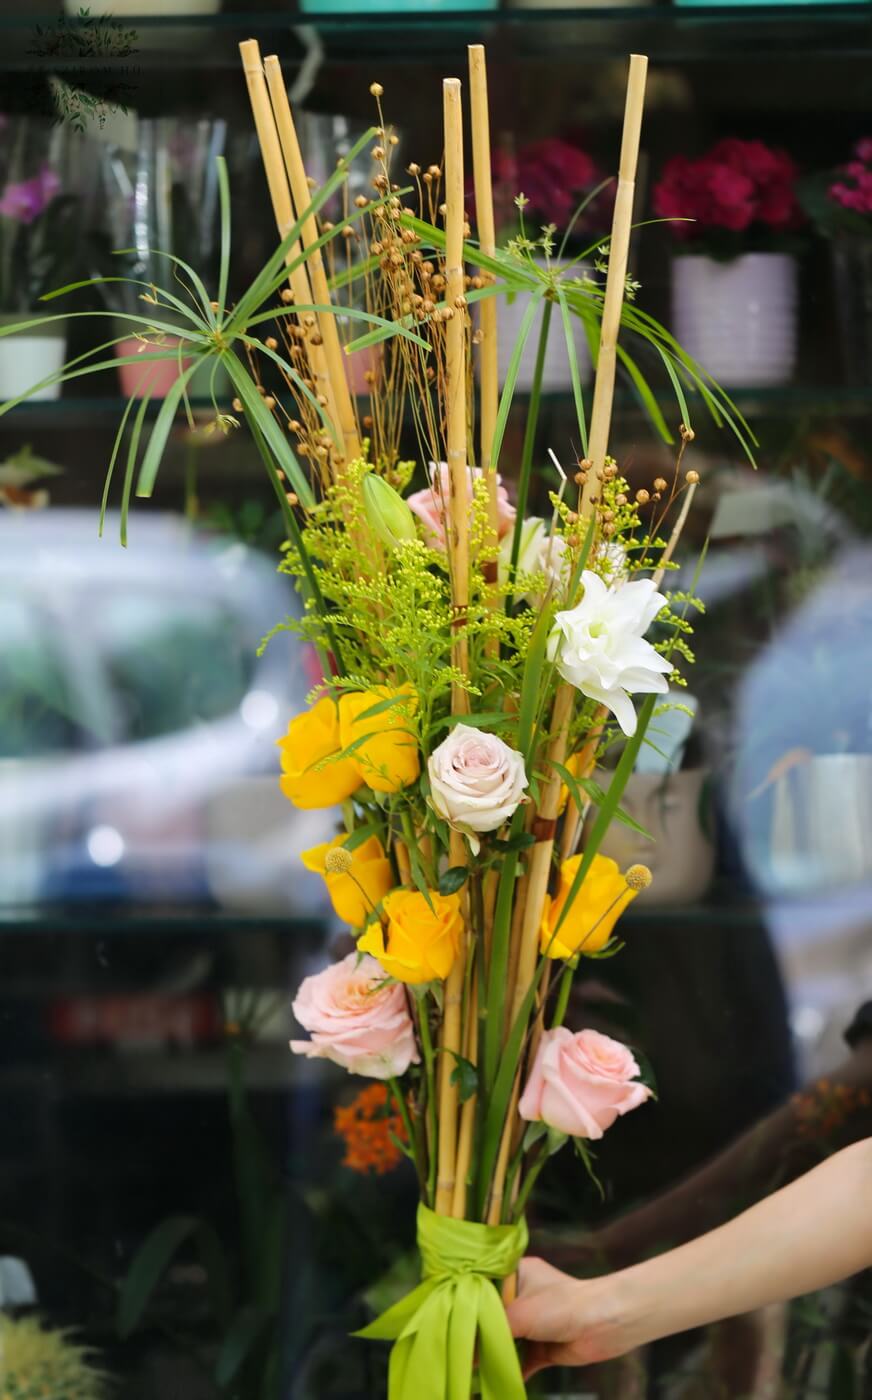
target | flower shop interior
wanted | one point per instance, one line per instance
(186, 1208)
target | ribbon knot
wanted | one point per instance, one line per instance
(457, 1309)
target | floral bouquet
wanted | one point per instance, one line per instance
(477, 664)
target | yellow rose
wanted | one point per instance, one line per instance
(312, 736)
(422, 943)
(354, 892)
(389, 759)
(592, 916)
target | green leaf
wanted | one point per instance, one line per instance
(556, 1140)
(575, 379)
(512, 376)
(453, 879)
(583, 1152)
(246, 1331)
(597, 795)
(609, 805)
(260, 416)
(160, 432)
(224, 267)
(132, 454)
(116, 448)
(523, 487)
(148, 1267)
(515, 843)
(388, 704)
(465, 1076)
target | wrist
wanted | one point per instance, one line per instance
(613, 1315)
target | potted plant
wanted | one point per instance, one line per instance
(734, 214)
(839, 202)
(537, 193)
(160, 191)
(36, 241)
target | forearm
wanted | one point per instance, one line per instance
(805, 1237)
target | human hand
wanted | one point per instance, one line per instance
(565, 1321)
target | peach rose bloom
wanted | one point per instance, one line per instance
(580, 1084)
(356, 1019)
(429, 505)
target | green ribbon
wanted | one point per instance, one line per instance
(456, 1311)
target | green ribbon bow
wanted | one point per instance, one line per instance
(434, 1329)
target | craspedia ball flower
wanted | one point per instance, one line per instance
(638, 877)
(41, 1363)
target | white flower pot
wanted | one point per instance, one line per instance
(26, 358)
(737, 318)
(555, 375)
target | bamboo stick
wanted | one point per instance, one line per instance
(280, 195)
(484, 217)
(540, 858)
(458, 542)
(339, 393)
(619, 247)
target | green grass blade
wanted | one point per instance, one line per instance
(132, 454)
(311, 587)
(645, 393)
(269, 429)
(116, 448)
(512, 376)
(259, 289)
(523, 489)
(224, 266)
(160, 432)
(574, 376)
(297, 379)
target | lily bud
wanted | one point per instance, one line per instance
(386, 511)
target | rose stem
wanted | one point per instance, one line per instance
(458, 541)
(603, 398)
(411, 1132)
(340, 395)
(283, 209)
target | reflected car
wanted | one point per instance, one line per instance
(139, 715)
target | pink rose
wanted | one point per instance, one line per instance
(476, 781)
(356, 1019)
(429, 505)
(580, 1084)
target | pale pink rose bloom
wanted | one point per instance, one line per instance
(430, 504)
(581, 1083)
(476, 780)
(354, 1021)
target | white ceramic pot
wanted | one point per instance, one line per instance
(555, 376)
(681, 856)
(27, 358)
(737, 318)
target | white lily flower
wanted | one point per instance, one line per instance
(600, 648)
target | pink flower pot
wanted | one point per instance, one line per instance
(155, 377)
(358, 364)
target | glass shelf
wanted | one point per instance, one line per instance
(585, 33)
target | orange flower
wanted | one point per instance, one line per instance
(366, 1125)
